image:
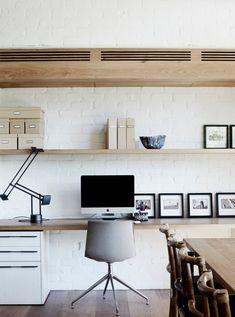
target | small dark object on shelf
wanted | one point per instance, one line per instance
(153, 142)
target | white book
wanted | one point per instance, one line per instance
(121, 133)
(130, 133)
(112, 133)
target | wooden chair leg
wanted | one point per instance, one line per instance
(173, 310)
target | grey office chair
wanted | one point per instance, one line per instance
(110, 241)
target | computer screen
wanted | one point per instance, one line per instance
(107, 194)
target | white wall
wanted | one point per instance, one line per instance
(121, 23)
(76, 117)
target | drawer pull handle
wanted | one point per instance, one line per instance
(5, 142)
(32, 126)
(16, 112)
(17, 126)
(18, 266)
(18, 251)
(2, 125)
(18, 236)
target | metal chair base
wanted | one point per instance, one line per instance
(109, 278)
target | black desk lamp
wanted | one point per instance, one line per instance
(43, 199)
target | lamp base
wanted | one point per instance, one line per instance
(37, 218)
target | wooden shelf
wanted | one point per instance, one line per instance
(114, 67)
(121, 152)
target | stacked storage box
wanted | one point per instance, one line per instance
(21, 128)
(121, 133)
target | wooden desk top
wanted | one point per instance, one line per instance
(81, 224)
(220, 257)
(57, 224)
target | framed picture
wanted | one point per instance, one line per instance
(171, 205)
(215, 136)
(232, 136)
(146, 202)
(200, 205)
(225, 203)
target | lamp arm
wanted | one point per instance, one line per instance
(42, 199)
(22, 170)
(27, 191)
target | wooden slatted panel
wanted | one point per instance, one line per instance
(218, 56)
(146, 55)
(44, 55)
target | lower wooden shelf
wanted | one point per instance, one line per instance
(121, 152)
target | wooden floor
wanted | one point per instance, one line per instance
(92, 305)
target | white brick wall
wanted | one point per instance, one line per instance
(127, 23)
(76, 117)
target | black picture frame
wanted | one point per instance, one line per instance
(168, 205)
(201, 206)
(225, 204)
(149, 200)
(232, 136)
(209, 143)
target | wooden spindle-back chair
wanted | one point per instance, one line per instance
(173, 268)
(215, 302)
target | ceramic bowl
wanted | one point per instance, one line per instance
(153, 142)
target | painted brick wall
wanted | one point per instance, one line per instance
(127, 23)
(76, 118)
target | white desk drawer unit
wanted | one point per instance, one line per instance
(20, 254)
(19, 238)
(23, 272)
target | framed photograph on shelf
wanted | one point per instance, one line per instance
(215, 136)
(200, 205)
(232, 136)
(145, 202)
(171, 205)
(225, 203)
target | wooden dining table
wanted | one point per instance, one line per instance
(220, 258)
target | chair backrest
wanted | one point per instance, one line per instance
(173, 268)
(175, 246)
(189, 287)
(110, 240)
(215, 301)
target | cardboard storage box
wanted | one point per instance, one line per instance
(16, 126)
(8, 141)
(121, 133)
(26, 141)
(21, 112)
(4, 126)
(112, 133)
(34, 126)
(130, 133)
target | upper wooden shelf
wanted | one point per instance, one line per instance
(121, 152)
(107, 67)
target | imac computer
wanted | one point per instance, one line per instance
(107, 195)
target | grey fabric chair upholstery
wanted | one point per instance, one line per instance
(110, 241)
